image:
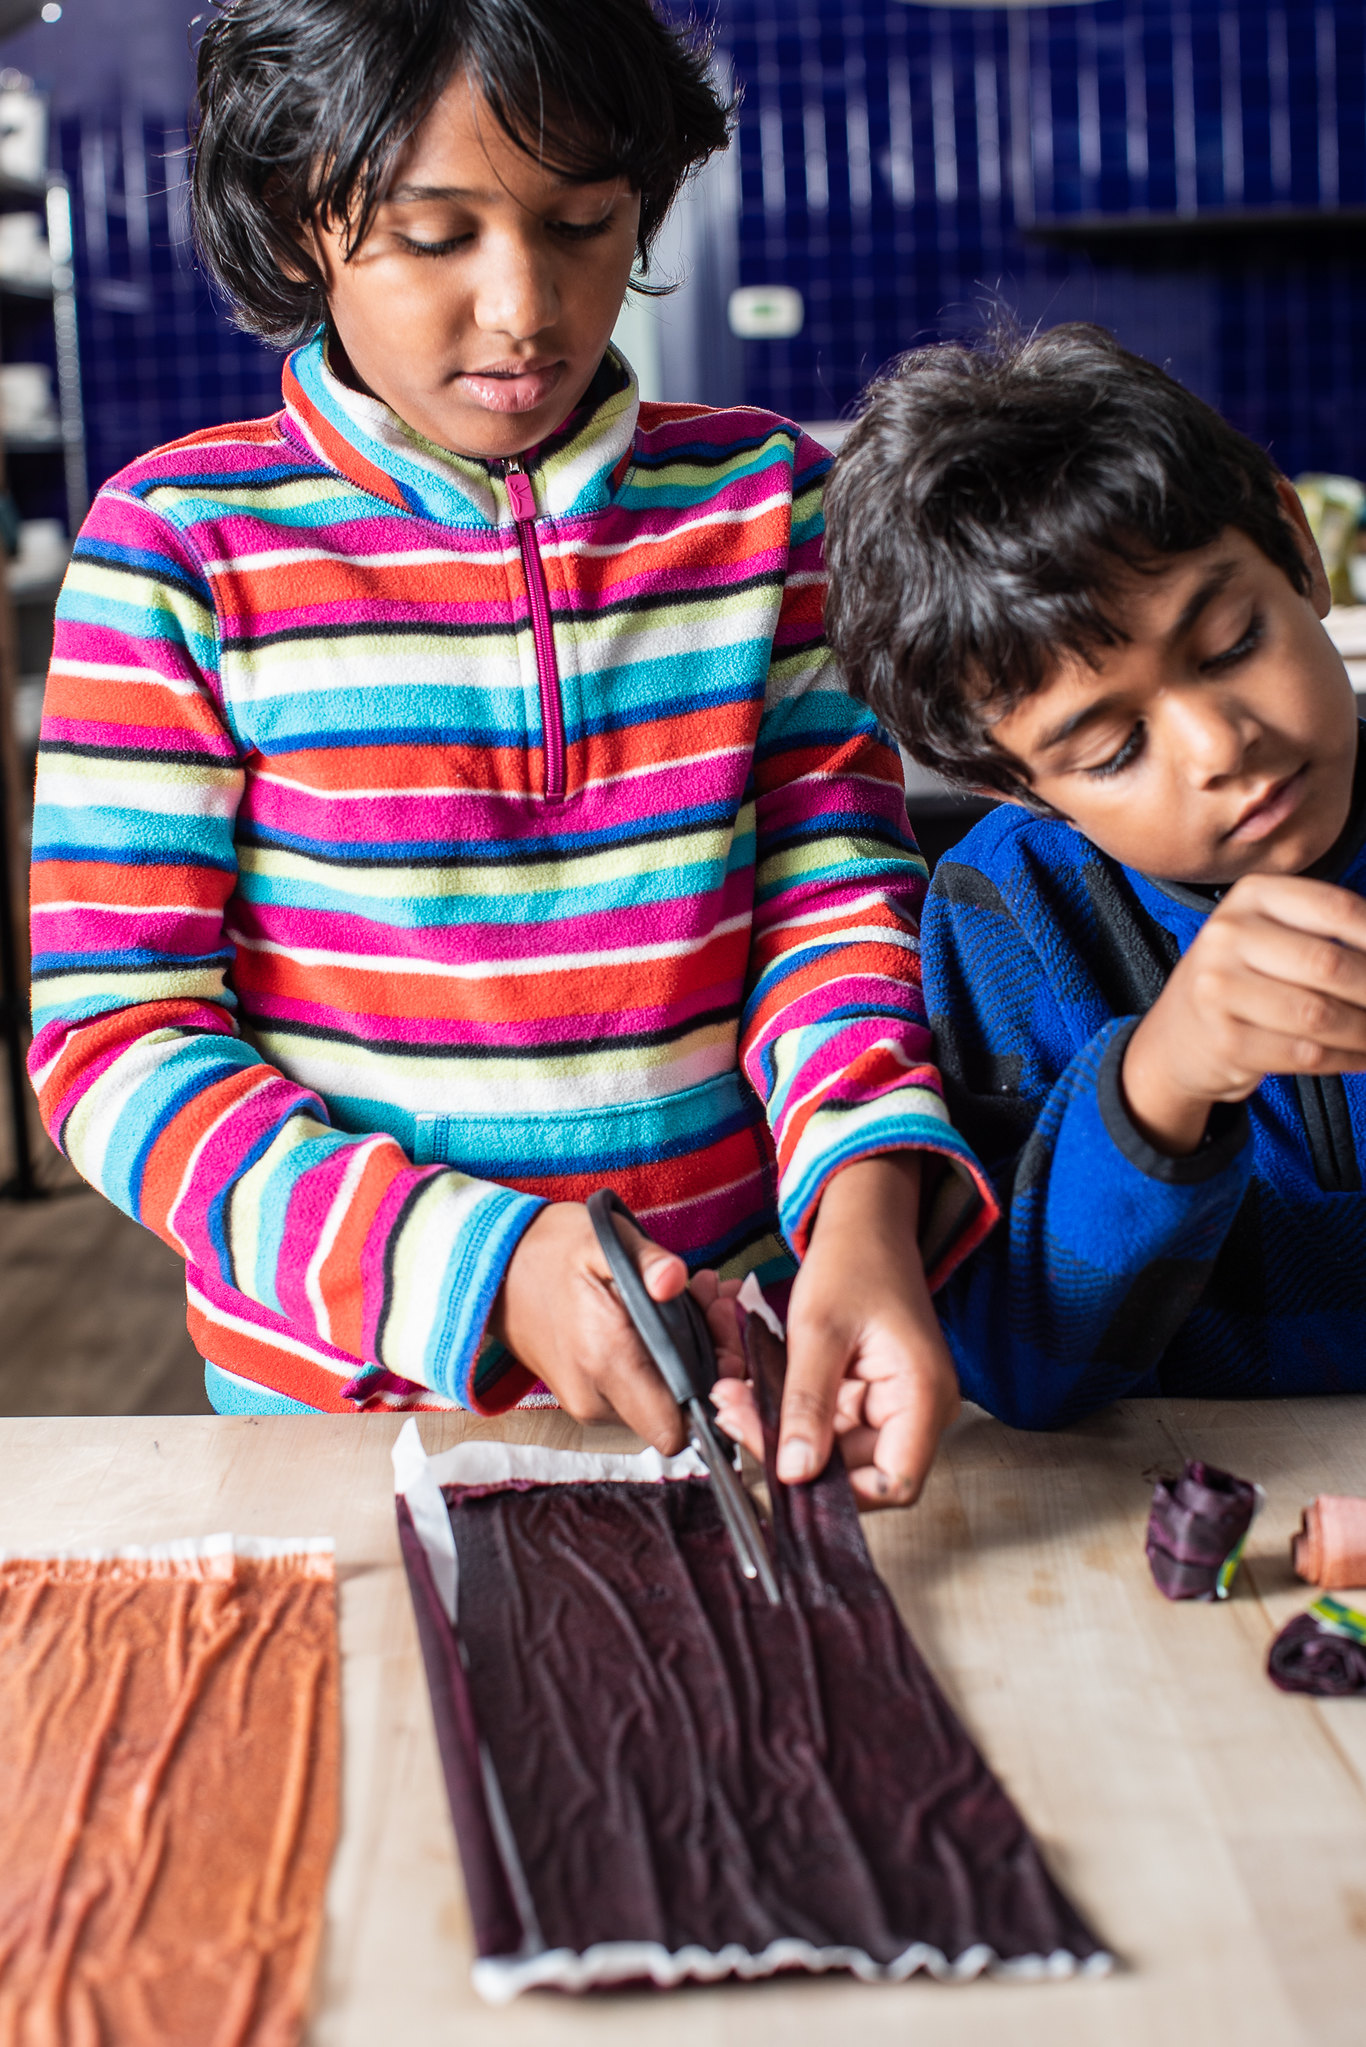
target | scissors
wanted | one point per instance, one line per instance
(676, 1336)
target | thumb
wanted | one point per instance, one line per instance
(816, 1362)
(664, 1273)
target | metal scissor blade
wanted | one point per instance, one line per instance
(737, 1508)
(675, 1335)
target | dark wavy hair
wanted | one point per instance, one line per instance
(983, 508)
(304, 106)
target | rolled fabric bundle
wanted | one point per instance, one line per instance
(1197, 1529)
(1330, 1549)
(1322, 1652)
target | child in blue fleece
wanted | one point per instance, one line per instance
(1060, 578)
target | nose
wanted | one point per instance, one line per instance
(1213, 732)
(516, 293)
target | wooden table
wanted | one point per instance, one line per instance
(1213, 1829)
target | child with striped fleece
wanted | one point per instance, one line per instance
(447, 803)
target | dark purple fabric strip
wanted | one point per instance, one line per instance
(1196, 1523)
(683, 1764)
(493, 1911)
(1308, 1658)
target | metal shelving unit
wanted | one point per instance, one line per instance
(25, 605)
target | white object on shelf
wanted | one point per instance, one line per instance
(1345, 626)
(28, 710)
(25, 259)
(26, 403)
(766, 312)
(43, 554)
(23, 136)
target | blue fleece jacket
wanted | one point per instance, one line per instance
(1239, 1271)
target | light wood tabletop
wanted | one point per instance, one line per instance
(1212, 1829)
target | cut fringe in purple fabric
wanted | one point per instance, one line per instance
(655, 1775)
(1196, 1531)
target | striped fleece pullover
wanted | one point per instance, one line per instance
(419, 840)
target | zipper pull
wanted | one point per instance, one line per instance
(520, 493)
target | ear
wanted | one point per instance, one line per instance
(1292, 511)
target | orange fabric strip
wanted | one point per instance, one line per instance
(169, 1799)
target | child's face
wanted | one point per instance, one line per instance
(479, 305)
(1220, 738)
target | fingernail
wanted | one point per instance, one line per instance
(796, 1462)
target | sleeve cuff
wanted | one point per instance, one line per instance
(473, 1369)
(959, 1209)
(1229, 1130)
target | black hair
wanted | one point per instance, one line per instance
(983, 509)
(304, 105)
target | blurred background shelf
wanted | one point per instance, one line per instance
(43, 498)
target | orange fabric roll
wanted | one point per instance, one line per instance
(1330, 1549)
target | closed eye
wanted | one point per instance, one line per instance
(579, 231)
(1118, 762)
(1248, 644)
(445, 248)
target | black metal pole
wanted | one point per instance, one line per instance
(23, 1184)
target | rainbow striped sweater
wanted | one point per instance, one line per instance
(419, 840)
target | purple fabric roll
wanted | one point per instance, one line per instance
(1307, 1657)
(698, 1783)
(1197, 1524)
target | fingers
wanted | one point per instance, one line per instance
(818, 1352)
(1255, 1025)
(1309, 906)
(1307, 960)
(635, 1392)
(664, 1273)
(905, 1444)
(716, 1298)
(737, 1412)
(1275, 982)
(559, 1313)
(1287, 957)
(1296, 985)
(1254, 1052)
(622, 1372)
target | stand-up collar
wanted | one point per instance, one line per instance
(576, 471)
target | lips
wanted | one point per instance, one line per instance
(1270, 810)
(512, 387)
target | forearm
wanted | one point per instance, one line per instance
(1104, 1246)
(188, 1130)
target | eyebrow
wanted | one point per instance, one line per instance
(435, 192)
(405, 192)
(1076, 723)
(1215, 583)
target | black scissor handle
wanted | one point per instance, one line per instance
(674, 1332)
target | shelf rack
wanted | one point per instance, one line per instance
(35, 599)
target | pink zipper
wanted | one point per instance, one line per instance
(542, 632)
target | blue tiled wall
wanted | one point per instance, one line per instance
(159, 358)
(903, 166)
